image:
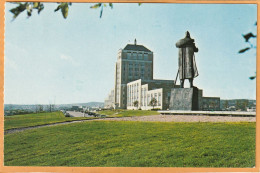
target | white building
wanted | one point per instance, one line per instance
(143, 91)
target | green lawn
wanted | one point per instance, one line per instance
(127, 113)
(134, 144)
(27, 120)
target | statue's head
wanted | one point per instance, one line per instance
(187, 34)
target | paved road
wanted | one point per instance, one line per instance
(77, 114)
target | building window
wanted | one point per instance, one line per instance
(140, 56)
(134, 56)
(145, 56)
(128, 55)
(148, 99)
(159, 99)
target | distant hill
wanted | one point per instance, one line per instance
(89, 104)
(31, 107)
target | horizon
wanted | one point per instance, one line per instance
(49, 59)
(102, 102)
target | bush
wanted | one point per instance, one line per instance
(96, 115)
(155, 109)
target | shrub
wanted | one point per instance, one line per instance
(155, 109)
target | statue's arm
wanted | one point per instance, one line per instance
(184, 42)
(195, 49)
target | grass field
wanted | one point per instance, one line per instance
(27, 120)
(127, 113)
(134, 144)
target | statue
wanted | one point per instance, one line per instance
(187, 66)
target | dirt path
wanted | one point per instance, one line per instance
(154, 118)
(183, 118)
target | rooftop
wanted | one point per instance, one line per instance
(136, 48)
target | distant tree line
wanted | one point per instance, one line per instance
(242, 104)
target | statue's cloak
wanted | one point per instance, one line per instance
(187, 64)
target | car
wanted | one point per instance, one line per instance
(103, 116)
(67, 114)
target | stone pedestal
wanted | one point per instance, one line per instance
(184, 99)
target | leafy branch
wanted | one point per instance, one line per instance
(247, 38)
(28, 6)
(101, 5)
(64, 7)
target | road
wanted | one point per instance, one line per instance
(77, 114)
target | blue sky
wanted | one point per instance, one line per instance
(52, 60)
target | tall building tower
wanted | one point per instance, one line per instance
(133, 62)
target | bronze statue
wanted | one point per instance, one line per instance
(187, 66)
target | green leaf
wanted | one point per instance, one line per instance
(252, 77)
(111, 5)
(248, 36)
(17, 10)
(139, 4)
(243, 50)
(40, 8)
(96, 5)
(58, 8)
(65, 10)
(29, 9)
(36, 5)
(101, 11)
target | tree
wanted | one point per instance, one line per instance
(136, 103)
(244, 105)
(38, 108)
(226, 105)
(153, 102)
(51, 107)
(63, 6)
(238, 104)
(212, 105)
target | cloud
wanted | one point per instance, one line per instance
(69, 59)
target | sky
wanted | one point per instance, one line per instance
(49, 59)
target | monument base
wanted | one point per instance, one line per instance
(184, 99)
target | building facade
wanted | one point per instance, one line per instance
(133, 62)
(210, 104)
(109, 101)
(141, 92)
